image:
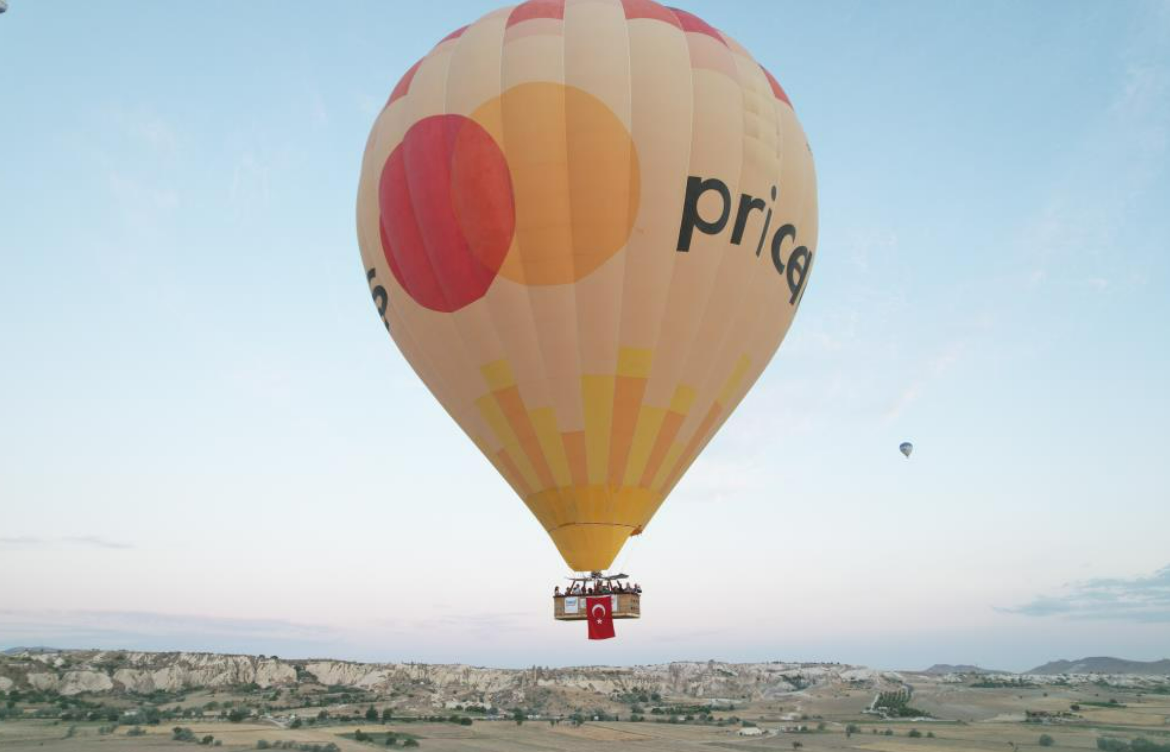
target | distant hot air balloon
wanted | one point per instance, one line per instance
(3, 5)
(588, 225)
(906, 448)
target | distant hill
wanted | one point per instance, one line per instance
(1104, 665)
(31, 650)
(962, 668)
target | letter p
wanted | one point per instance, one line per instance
(696, 187)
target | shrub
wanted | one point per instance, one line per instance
(410, 743)
(263, 744)
(1046, 740)
(207, 740)
(914, 734)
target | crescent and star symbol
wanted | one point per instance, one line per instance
(593, 611)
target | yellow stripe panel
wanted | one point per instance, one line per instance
(498, 375)
(490, 409)
(635, 362)
(545, 422)
(649, 421)
(590, 548)
(729, 386)
(684, 397)
(692, 446)
(597, 395)
(667, 464)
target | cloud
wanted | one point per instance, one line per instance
(95, 541)
(1137, 599)
(89, 541)
(20, 541)
(1084, 221)
(154, 630)
(935, 367)
(483, 626)
(718, 478)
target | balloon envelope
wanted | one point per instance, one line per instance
(588, 226)
(906, 448)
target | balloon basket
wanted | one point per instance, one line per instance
(572, 607)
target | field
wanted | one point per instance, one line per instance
(969, 720)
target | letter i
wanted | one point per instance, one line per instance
(767, 221)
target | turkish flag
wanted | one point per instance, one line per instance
(600, 612)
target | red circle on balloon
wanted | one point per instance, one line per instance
(447, 211)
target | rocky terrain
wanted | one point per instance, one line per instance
(98, 672)
(962, 668)
(76, 672)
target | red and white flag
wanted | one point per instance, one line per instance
(600, 612)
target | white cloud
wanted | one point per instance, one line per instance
(1137, 599)
(88, 541)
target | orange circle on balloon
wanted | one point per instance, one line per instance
(575, 180)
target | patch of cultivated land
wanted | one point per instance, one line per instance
(998, 726)
(699, 707)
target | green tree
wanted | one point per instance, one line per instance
(410, 743)
(372, 714)
(1046, 740)
(387, 715)
(518, 716)
(263, 744)
(181, 734)
(207, 740)
(851, 729)
(914, 734)
(296, 723)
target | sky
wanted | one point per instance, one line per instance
(209, 442)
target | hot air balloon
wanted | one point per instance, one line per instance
(587, 225)
(906, 448)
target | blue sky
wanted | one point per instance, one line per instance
(207, 440)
